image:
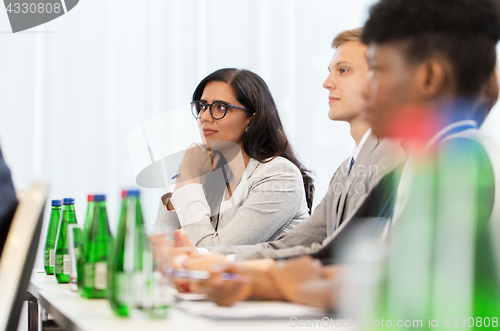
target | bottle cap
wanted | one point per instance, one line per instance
(134, 193)
(99, 197)
(68, 201)
(56, 202)
(90, 197)
(124, 194)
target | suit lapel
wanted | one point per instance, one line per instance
(342, 179)
(358, 168)
(251, 166)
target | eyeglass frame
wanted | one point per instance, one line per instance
(227, 104)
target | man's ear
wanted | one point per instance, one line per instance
(434, 78)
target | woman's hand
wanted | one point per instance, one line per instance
(204, 262)
(198, 161)
(181, 239)
(166, 255)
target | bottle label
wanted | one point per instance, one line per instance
(46, 259)
(141, 291)
(138, 288)
(101, 276)
(52, 258)
(88, 275)
(59, 264)
(122, 289)
(66, 264)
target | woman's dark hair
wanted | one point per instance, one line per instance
(265, 137)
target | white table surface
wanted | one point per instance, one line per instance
(75, 313)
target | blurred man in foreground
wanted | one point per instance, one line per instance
(431, 62)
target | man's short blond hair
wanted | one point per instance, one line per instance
(347, 36)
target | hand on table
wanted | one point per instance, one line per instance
(204, 262)
(290, 276)
(167, 255)
(181, 239)
(224, 292)
(181, 255)
(197, 263)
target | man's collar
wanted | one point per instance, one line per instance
(450, 129)
(357, 149)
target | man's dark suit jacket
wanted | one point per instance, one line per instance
(369, 220)
(8, 201)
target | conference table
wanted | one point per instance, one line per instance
(75, 313)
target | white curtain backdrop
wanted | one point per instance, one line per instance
(73, 89)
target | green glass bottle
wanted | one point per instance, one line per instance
(136, 286)
(50, 242)
(63, 263)
(79, 265)
(118, 304)
(97, 251)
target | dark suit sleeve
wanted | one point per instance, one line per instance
(8, 201)
(378, 203)
(370, 217)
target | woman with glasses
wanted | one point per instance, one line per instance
(243, 184)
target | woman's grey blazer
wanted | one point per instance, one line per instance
(269, 200)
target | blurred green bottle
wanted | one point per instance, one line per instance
(116, 262)
(97, 251)
(135, 287)
(63, 263)
(79, 265)
(50, 242)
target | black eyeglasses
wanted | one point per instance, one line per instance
(218, 109)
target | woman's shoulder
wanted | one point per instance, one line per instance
(277, 165)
